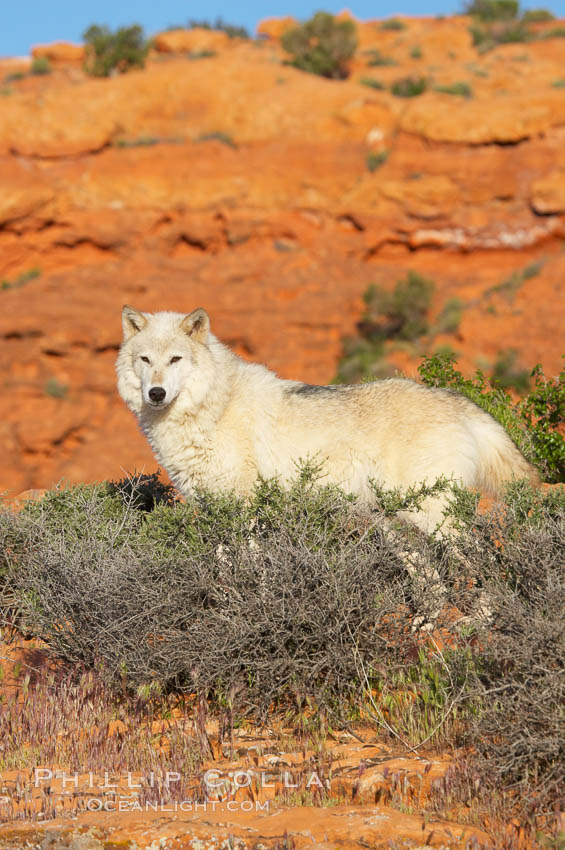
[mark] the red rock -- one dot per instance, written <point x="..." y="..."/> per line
<point x="548" y="194"/>
<point x="24" y="192"/>
<point x="274" y="28"/>
<point x="511" y="118"/>
<point x="274" y="223"/>
<point x="190" y="40"/>
<point x="34" y="495"/>
<point x="426" y="197"/>
<point x="59" y="52"/>
<point x="39" y="125"/>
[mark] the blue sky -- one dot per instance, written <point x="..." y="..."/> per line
<point x="31" y="22"/>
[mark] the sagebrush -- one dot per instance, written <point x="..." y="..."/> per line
<point x="303" y="595"/>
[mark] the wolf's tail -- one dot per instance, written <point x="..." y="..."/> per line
<point x="500" y="461"/>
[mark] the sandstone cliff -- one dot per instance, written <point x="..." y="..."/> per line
<point x="236" y="182"/>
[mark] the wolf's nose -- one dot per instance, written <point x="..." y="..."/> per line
<point x="157" y="394"/>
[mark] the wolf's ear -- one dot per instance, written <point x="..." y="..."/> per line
<point x="196" y="325"/>
<point x="132" y="322"/>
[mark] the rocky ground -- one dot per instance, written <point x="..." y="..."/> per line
<point x="264" y="790"/>
<point x="239" y="183"/>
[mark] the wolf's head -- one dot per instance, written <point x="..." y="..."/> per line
<point x="163" y="355"/>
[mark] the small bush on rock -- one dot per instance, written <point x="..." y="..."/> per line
<point x="393" y="25"/>
<point x="493" y="10"/>
<point x="402" y="313"/>
<point x="398" y="315"/>
<point x="537" y="16"/>
<point x="457" y="89"/>
<point x="323" y="45"/>
<point x="376" y="58"/>
<point x="500" y="22"/>
<point x="40" y="66"/>
<point x="231" y="30"/>
<point x="450" y="317"/>
<point x="110" y="52"/>
<point x="409" y="86"/>
<point x="375" y="159"/>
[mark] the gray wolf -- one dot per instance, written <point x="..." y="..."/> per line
<point x="218" y="422"/>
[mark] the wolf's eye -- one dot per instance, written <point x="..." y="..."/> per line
<point x="145" y="359"/>
<point x="175" y="359"/>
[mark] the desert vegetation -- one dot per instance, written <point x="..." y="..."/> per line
<point x="376" y="58"/>
<point x="400" y="314"/>
<point x="219" y="25"/>
<point x="322" y="45"/>
<point x="459" y="89"/>
<point x="40" y="66"/>
<point x="503" y="22"/>
<point x="409" y="86"/>
<point x="294" y="607"/>
<point x="21" y="279"/>
<point x="110" y="52"/>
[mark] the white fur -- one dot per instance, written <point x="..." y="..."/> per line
<point x="224" y="422"/>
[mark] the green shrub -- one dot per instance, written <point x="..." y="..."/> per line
<point x="232" y="30"/>
<point x="543" y="412"/>
<point x="372" y="83"/>
<point x="534" y="422"/>
<point x="499" y="22"/>
<point x="457" y="89"/>
<point x="110" y="52"/>
<point x="493" y="10"/>
<point x="21" y="280"/>
<point x="508" y="375"/>
<point x="488" y="36"/>
<point x="537" y="16"/>
<point x="393" y="24"/>
<point x="514" y="34"/>
<point x="40" y="66"/>
<point x="450" y="317"/>
<point x="558" y="84"/>
<point x="14" y="77"/>
<point x="416" y="53"/>
<point x="376" y="58"/>
<point x="409" y="86"/>
<point x="217" y="136"/>
<point x="56" y="389"/>
<point x="323" y="45"/>
<point x="140" y="141"/>
<point x="510" y="286"/>
<point x="558" y="32"/>
<point x="205" y="53"/>
<point x="375" y="159"/>
<point x="400" y="315"/>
